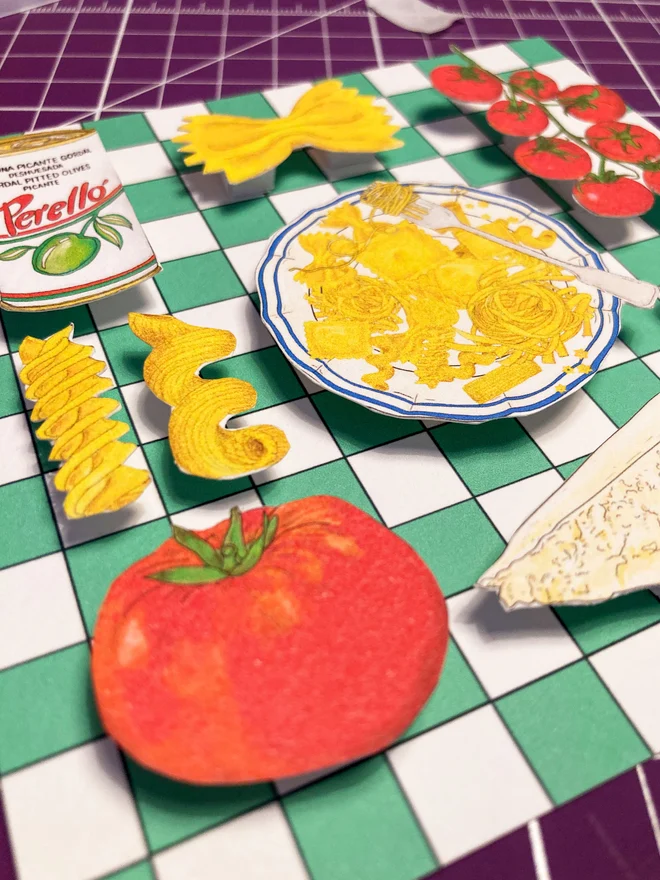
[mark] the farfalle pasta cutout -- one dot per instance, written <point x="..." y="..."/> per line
<point x="328" y="117"/>
<point x="200" y="443"/>
<point x="64" y="380"/>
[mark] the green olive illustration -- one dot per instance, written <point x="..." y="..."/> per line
<point x="64" y="253"/>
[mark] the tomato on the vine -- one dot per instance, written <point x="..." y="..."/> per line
<point x="466" y="83"/>
<point x="612" y="195"/>
<point x="651" y="176"/>
<point x="516" y="118"/>
<point x="592" y="103"/>
<point x="621" y="141"/>
<point x="534" y="84"/>
<point x="553" y="158"/>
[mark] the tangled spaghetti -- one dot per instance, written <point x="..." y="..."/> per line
<point x="411" y="308"/>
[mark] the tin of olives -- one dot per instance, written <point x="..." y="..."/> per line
<point x="68" y="233"/>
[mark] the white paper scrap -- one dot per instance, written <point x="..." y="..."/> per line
<point x="413" y="15"/>
<point x="11" y="7"/>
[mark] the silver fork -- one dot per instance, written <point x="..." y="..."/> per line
<point x="630" y="290"/>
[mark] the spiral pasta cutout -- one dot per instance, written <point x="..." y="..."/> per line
<point x="64" y="380"/>
<point x="201" y="444"/>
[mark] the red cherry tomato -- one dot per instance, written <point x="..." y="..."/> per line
<point x="592" y="103"/>
<point x="651" y="177"/>
<point x="227" y="657"/>
<point x="553" y="159"/>
<point x="520" y="119"/>
<point x="616" y="197"/>
<point x="536" y="85"/>
<point x="621" y="141"/>
<point x="466" y="83"/>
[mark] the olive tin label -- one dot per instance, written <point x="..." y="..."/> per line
<point x="68" y="233"/>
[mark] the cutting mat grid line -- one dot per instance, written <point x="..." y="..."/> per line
<point x="164" y="58"/>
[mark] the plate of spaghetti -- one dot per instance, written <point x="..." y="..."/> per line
<point x="436" y="324"/>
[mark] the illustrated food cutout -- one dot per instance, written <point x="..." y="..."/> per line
<point x="72" y="237"/>
<point x="598" y="536"/>
<point x="395" y="199"/>
<point x="442" y="311"/>
<point x="200" y="443"/>
<point x="279" y="642"/>
<point x="535" y="107"/>
<point x="63" y="378"/>
<point x="328" y="117"/>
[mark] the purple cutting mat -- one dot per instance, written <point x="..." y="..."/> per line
<point x="80" y="59"/>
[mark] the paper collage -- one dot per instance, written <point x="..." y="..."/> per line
<point x="200" y="443"/>
<point x="616" y="165"/>
<point x="262" y="647"/>
<point x="64" y="380"/>
<point x="78" y="241"/>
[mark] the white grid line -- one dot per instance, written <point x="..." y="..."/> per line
<point x="274" y="72"/>
<point x="10" y="45"/>
<point x="113" y="60"/>
<point x="325" y="35"/>
<point x="583" y="61"/>
<point x="633" y="60"/>
<point x="58" y="58"/>
<point x="168" y="59"/>
<point x="223" y="46"/>
<point x="539" y="855"/>
<point x="375" y="38"/>
<point x="649" y="803"/>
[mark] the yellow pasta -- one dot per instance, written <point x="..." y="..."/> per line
<point x="63" y="378"/>
<point x="328" y="117"/>
<point x="393" y="294"/>
<point x="200" y="443"/>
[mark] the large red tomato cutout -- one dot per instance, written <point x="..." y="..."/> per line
<point x="278" y="642"/>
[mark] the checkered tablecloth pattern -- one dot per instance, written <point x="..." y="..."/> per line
<point x="533" y="708"/>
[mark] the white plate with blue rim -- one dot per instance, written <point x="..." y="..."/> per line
<point x="286" y="309"/>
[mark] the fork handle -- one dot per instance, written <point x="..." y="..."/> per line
<point x="630" y="290"/>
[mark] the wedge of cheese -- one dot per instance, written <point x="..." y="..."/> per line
<point x="598" y="536"/>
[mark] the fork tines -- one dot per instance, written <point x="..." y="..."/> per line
<point x="415" y="210"/>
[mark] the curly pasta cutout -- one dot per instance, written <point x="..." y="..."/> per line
<point x="63" y="378"/>
<point x="201" y="444"/>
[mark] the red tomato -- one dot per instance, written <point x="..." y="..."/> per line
<point x="520" y="119"/>
<point x="536" y="85"/>
<point x="321" y="650"/>
<point x="466" y="83"/>
<point x="621" y="141"/>
<point x="651" y="176"/>
<point x="613" y="197"/>
<point x="592" y="103"/>
<point x="553" y="158"/>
